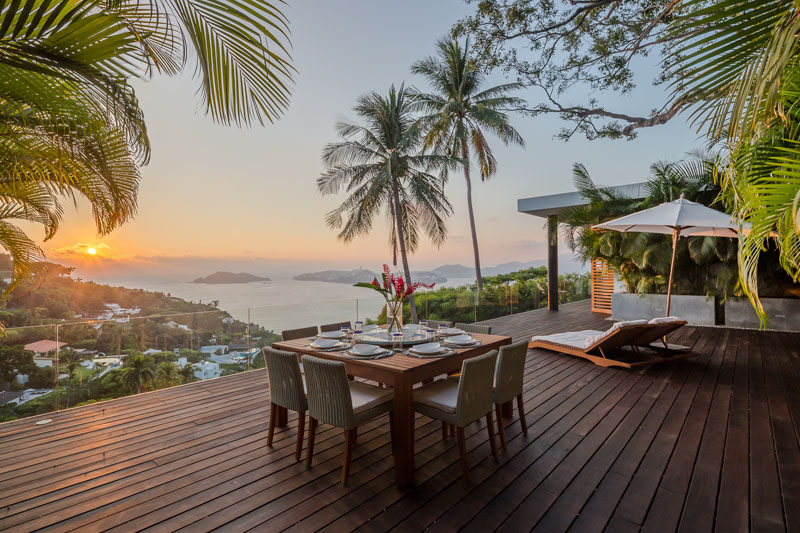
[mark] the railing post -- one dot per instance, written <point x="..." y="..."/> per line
<point x="248" y="339"/>
<point x="58" y="407"/>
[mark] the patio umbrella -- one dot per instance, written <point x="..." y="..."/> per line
<point x="680" y="217"/>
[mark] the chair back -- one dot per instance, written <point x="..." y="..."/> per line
<point x="285" y="380"/>
<point x="509" y="371"/>
<point x="299" y="333"/>
<point x="329" y="399"/>
<point x="475" y="397"/>
<point x="474" y="328"/>
<point x="436" y="323"/>
<point x="334" y="327"/>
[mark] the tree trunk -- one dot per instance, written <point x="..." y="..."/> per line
<point x="476" y="253"/>
<point x="402" y="243"/>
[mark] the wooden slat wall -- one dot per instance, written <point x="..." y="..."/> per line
<point x="602" y="286"/>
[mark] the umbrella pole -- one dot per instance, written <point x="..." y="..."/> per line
<point x="672" y="266"/>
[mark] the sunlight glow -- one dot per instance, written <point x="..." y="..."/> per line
<point x="91" y="251"/>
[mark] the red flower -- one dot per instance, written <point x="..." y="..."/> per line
<point x="375" y="282"/>
<point x="414" y="286"/>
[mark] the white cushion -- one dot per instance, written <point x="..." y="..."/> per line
<point x="664" y="320"/>
<point x="441" y="395"/>
<point x="577" y="339"/>
<point x="367" y="396"/>
<point x="621" y="323"/>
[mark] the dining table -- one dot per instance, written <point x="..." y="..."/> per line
<point x="401" y="371"/>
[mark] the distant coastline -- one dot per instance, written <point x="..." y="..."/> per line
<point x="359" y="275"/>
<point x="227" y="278"/>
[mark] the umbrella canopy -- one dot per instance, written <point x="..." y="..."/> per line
<point x="690" y="218"/>
<point x="680" y="217"/>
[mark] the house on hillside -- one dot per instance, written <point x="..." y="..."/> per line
<point x="44" y="348"/>
<point x="206" y="370"/>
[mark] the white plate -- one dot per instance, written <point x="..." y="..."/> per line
<point x="326" y="343"/>
<point x="366" y="349"/>
<point x="370" y="327"/>
<point x="331" y="335"/>
<point x="427" y="348"/>
<point x="453" y="331"/>
<point x="462" y="340"/>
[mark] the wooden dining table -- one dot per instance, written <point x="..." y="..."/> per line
<point x="401" y="372"/>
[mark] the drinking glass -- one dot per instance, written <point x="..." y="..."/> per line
<point x="442" y="329"/>
<point x="397" y="341"/>
<point x="423" y="328"/>
<point x="358" y="330"/>
<point x="346" y="332"/>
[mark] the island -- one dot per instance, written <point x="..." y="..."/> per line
<point x="220" y="278"/>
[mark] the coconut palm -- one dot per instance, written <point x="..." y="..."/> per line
<point x="741" y="66"/>
<point x="137" y="372"/>
<point x="70" y="124"/>
<point x="166" y="374"/>
<point x="460" y="111"/>
<point x="186" y="373"/>
<point x="381" y="164"/>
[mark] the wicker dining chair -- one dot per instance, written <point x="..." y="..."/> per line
<point x="474" y="328"/>
<point x="335" y="327"/>
<point x="286" y="389"/>
<point x="299" y="333"/>
<point x="436" y="323"/>
<point x="334" y="400"/>
<point x="462" y="402"/>
<point x="508" y="378"/>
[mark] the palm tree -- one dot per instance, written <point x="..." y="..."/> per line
<point x="460" y="110"/>
<point x="382" y="165"/>
<point x="138" y="372"/>
<point x="186" y="373"/>
<point x="70" y="123"/>
<point x="166" y="374"/>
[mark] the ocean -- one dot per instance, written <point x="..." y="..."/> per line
<point x="282" y="303"/>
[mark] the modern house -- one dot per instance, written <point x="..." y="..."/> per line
<point x="550" y="207"/>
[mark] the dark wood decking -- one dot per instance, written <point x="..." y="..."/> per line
<point x="705" y="444"/>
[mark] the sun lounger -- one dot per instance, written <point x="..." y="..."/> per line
<point x="626" y="344"/>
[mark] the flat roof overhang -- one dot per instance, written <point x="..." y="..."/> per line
<point x="555" y="204"/>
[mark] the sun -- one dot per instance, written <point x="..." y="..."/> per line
<point x="91" y="251"/>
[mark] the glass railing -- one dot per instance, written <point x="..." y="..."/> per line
<point x="78" y="362"/>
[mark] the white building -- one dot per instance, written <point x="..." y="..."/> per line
<point x="206" y="370"/>
<point x="214" y="350"/>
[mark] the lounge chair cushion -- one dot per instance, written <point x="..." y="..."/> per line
<point x="622" y="323"/>
<point x="578" y="339"/>
<point x="441" y="395"/>
<point x="664" y="320"/>
<point x="367" y="396"/>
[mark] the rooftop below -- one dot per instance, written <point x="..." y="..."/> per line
<point x="555" y="204"/>
<point x="702" y="444"/>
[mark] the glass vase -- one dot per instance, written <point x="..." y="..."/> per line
<point x="394" y="316"/>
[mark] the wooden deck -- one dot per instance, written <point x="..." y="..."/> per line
<point x="705" y="444"/>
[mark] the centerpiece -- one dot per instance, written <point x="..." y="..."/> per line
<point x="395" y="291"/>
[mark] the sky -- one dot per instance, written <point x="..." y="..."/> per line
<point x="216" y="197"/>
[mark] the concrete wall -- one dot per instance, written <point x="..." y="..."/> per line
<point x="783" y="313"/>
<point x="696" y="310"/>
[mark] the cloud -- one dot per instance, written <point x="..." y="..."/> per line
<point x="79" y="249"/>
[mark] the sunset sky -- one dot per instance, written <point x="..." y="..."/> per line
<point x="250" y="195"/>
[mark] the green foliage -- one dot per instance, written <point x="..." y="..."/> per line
<point x="15" y="360"/>
<point x="501" y="295"/>
<point x="705" y="265"/>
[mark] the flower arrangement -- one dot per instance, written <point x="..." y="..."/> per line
<point x="395" y="292"/>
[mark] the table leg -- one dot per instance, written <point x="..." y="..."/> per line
<point x="403" y="420"/>
<point x="281" y="416"/>
<point x="508" y="409"/>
